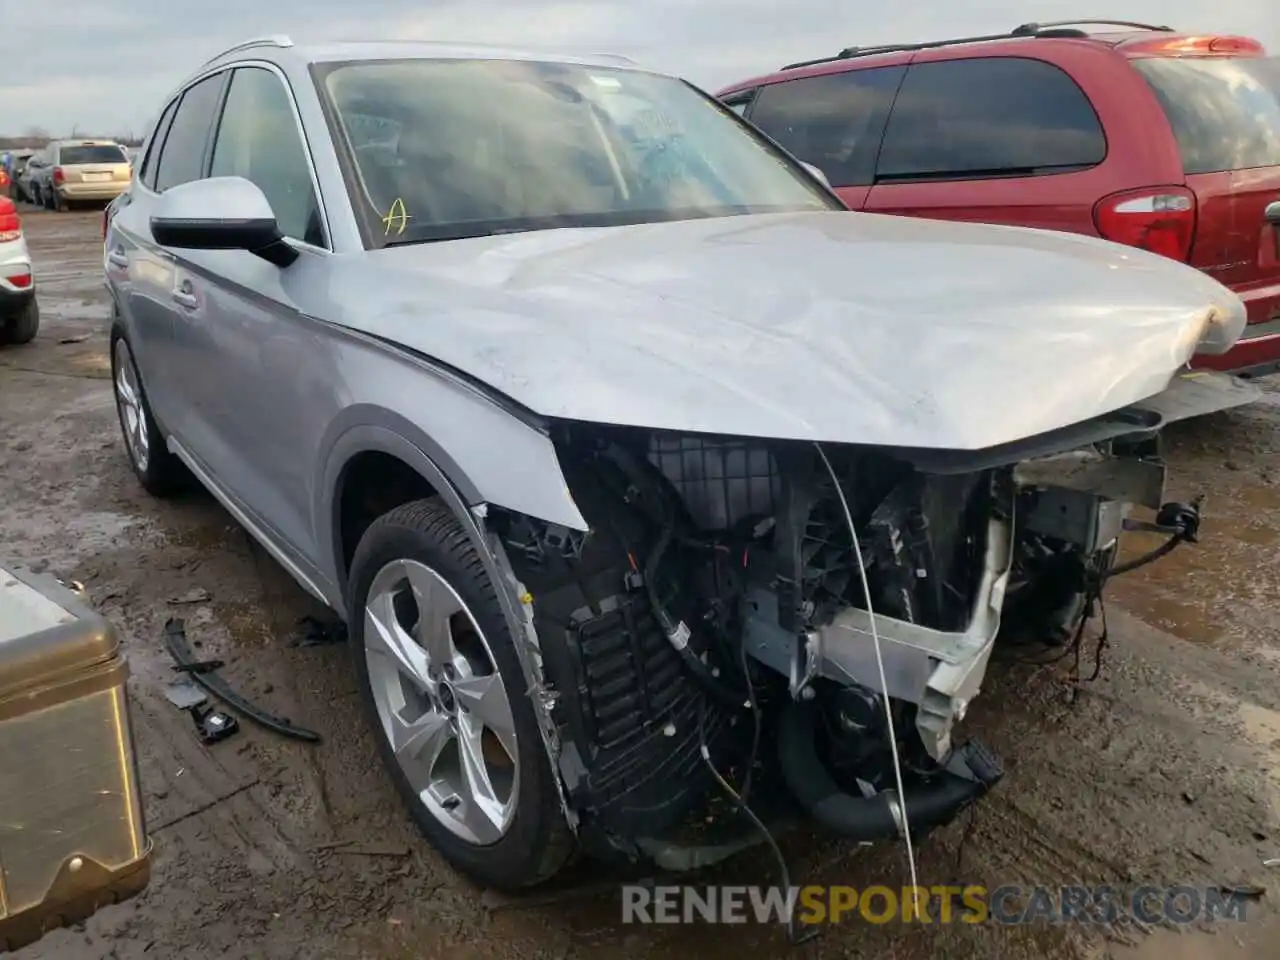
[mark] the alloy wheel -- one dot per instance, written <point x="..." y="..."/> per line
<point x="129" y="403"/>
<point x="441" y="701"/>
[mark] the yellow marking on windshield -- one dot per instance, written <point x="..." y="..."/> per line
<point x="397" y="218"/>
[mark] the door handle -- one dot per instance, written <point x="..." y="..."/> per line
<point x="185" y="296"/>
<point x="1272" y="213"/>
<point x="118" y="258"/>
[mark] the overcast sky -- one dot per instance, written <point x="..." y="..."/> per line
<point x="108" y="64"/>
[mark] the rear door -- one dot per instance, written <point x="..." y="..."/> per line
<point x="833" y="121"/>
<point x="1225" y="115"/>
<point x="995" y="139"/>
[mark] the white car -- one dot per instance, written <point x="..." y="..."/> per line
<point x="19" y="314"/>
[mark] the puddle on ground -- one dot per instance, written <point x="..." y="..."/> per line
<point x="1219" y="589"/>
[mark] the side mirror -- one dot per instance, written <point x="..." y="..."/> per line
<point x="220" y="213"/>
<point x="817" y="174"/>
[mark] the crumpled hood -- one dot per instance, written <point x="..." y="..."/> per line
<point x="837" y="327"/>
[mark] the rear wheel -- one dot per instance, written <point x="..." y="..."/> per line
<point x="440" y="677"/>
<point x="159" y="471"/>
<point x="22" y="326"/>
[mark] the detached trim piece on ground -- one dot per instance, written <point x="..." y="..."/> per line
<point x="205" y="675"/>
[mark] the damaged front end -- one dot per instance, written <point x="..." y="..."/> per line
<point x="780" y="622"/>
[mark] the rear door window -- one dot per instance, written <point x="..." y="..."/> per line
<point x="989" y="117"/>
<point x="182" y="157"/>
<point x="1225" y="111"/>
<point x="833" y="121"/>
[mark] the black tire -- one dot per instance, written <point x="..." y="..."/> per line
<point x="538" y="842"/>
<point x="22" y="326"/>
<point x="58" y="204"/>
<point x="163" y="474"/>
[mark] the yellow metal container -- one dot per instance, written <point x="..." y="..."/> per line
<point x="72" y="836"/>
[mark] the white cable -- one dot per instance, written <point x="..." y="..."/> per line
<point x="884" y="683"/>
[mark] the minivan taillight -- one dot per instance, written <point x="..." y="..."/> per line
<point x="1159" y="219"/>
<point x="58" y="175"/>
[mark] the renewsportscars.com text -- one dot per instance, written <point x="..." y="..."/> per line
<point x="1008" y="904"/>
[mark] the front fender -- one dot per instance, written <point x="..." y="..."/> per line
<point x="502" y="462"/>
<point x="391" y="435"/>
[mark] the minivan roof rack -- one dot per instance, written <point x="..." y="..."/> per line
<point x="1035" y="29"/>
<point x="1053" y="29"/>
<point x="275" y="40"/>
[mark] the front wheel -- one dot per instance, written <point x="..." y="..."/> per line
<point x="441" y="680"/>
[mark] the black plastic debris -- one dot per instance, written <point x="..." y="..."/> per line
<point x="214" y="725"/>
<point x="205" y="674"/>
<point x="184" y="695"/>
<point x="319" y="633"/>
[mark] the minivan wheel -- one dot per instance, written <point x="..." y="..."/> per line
<point x="158" y="470"/>
<point x="438" y="671"/>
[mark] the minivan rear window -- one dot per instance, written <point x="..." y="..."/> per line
<point x="97" y="153"/>
<point x="1225" y="111"/>
<point x="989" y="117"/>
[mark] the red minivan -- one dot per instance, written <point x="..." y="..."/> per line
<point x="1141" y="134"/>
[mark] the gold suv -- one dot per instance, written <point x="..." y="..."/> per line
<point x="81" y="171"/>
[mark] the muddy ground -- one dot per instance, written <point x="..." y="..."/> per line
<point x="1163" y="771"/>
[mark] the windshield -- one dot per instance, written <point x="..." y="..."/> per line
<point x="1225" y="111"/>
<point x="96" y="153"/>
<point x="445" y="149"/>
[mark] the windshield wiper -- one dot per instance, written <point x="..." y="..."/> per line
<point x="444" y="235"/>
<point x="611" y="218"/>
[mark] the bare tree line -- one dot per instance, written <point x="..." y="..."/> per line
<point x="35" y="138"/>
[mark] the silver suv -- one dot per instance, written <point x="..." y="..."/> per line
<point x="641" y="471"/>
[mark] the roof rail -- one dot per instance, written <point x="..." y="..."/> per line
<point x="276" y="40"/>
<point x="1056" y="29"/>
<point x="1034" y="29"/>
<point x="848" y="53"/>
